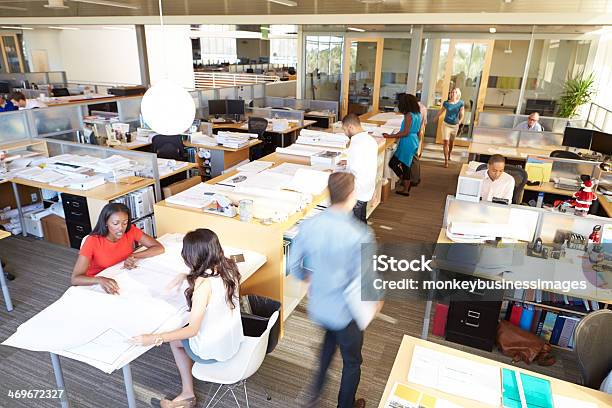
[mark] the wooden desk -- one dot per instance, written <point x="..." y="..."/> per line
<point x="222" y="158"/>
<point x="96" y="197"/>
<point x="401" y="367"/>
<point x="366" y="118"/>
<point x="186" y="167"/>
<point x="3" y="284"/>
<point x="270" y="280"/>
<point x="132" y="145"/>
<point x="605" y="204"/>
<point x="74" y="99"/>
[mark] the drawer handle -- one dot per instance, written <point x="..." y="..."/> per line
<point x="471" y="314"/>
<point x="79" y="228"/>
<point x="78" y="214"/>
<point x="75" y="204"/>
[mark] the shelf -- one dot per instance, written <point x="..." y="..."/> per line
<point x="545" y="306"/>
<point x="562" y="348"/>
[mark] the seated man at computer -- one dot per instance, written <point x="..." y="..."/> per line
<point x="532" y="123"/>
<point x="22" y="102"/>
<point x="496" y="184"/>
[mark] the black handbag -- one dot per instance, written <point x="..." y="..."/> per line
<point x="415" y="172"/>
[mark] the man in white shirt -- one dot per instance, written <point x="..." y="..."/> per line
<point x="362" y="161"/>
<point x="496" y="182"/>
<point x="22" y="102"/>
<point x="532" y="123"/>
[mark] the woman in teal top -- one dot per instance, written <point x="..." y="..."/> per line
<point x="454" y="113"/>
<point x="408" y="143"/>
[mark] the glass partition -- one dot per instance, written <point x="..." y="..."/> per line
<point x="57" y="119"/>
<point x="506" y="74"/>
<point x="129" y="109"/>
<point x="13" y="127"/>
<point x="57" y="77"/>
<point x="227" y="93"/>
<point x="552" y="63"/>
<point x="259" y="91"/>
<point x="292" y="115"/>
<point x="501" y="137"/>
<point x="323" y="67"/>
<point x="244" y="92"/>
<point x="539" y="140"/>
<point x="395" y="62"/>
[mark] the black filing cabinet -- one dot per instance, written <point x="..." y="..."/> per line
<point x="77" y="218"/>
<point x="473" y="318"/>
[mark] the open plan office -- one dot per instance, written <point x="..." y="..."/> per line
<point x="277" y="203"/>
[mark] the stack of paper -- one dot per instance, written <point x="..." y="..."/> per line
<point x="455" y="375"/>
<point x="301" y="150"/>
<point x="318" y="138"/>
<point x="233" y="140"/>
<point x="309" y="181"/>
<point x="395" y="122"/>
<point x="385" y="116"/>
<point x="115" y="162"/>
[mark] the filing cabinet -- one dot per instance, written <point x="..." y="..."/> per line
<point x="473" y="318"/>
<point x="77" y="218"/>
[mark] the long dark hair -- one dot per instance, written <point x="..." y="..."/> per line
<point x="204" y="256"/>
<point x="109" y="209"/>
<point x="408" y="103"/>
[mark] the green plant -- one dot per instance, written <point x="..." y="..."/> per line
<point x="576" y="92"/>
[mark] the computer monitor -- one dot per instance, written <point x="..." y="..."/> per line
<point x="217" y="107"/>
<point x="5" y="87"/>
<point x="235" y="107"/>
<point x="602" y="143"/>
<point x="60" y="92"/>
<point x="579" y="138"/>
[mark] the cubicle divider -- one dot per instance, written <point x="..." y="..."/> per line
<point x="292" y="115"/>
<point x="14" y="128"/>
<point x="508" y="137"/>
<point x="568" y="168"/>
<point x="506" y="121"/>
<point x="535" y="222"/>
<point x="298" y="104"/>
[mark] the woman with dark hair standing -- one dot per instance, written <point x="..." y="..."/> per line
<point x="408" y="140"/>
<point x="112" y="241"/>
<point x="214" y="332"/>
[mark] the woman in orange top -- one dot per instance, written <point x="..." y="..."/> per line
<point x="111" y="241"/>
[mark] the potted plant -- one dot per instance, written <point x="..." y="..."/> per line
<point x="576" y="92"/>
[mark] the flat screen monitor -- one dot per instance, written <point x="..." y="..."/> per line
<point x="217" y="107"/>
<point x="602" y="143"/>
<point x="577" y="137"/>
<point x="235" y="107"/>
<point x="5" y="88"/>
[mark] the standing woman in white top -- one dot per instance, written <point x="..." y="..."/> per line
<point x="214" y="332"/>
<point x="453" y="118"/>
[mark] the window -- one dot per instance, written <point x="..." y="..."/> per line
<point x="216" y="48"/>
<point x="323" y="67"/>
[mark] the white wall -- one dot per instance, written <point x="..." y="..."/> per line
<point x="89" y="54"/>
<point x="282" y="89"/>
<point x="170" y="55"/>
<point x="100" y="55"/>
<point x="47" y="40"/>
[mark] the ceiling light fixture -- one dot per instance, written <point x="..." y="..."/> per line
<point x="509" y="49"/>
<point x="288" y="3"/>
<point x="109" y="3"/>
<point x="492" y="30"/>
<point x="359" y="30"/>
<point x="163" y="117"/>
<point x="371" y="1"/>
<point x="507" y="1"/>
<point x="63" y="28"/>
<point x="16" y="28"/>
<point x="56" y="4"/>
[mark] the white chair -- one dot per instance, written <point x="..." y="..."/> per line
<point x="235" y="371"/>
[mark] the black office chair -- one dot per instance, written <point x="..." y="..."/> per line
<point x="564" y="154"/>
<point x="258" y="126"/>
<point x="592" y="346"/>
<point x="60" y="92"/>
<point x="168" y="147"/>
<point x="255" y="319"/>
<point x="520" y="179"/>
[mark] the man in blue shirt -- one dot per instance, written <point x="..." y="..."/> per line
<point x="6" y="106"/>
<point x="330" y="244"/>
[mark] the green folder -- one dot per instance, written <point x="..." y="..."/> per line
<point x="537" y="391"/>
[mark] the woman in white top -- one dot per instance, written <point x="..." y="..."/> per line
<point x="214" y="332"/>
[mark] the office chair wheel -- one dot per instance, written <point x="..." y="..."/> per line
<point x="9" y="276"/>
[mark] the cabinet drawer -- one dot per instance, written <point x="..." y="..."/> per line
<point x="75" y="209"/>
<point x="76" y="233"/>
<point x="473" y="320"/>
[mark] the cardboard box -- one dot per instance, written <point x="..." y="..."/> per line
<point x="54" y="228"/>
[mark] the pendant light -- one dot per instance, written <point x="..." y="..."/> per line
<point x="167" y="108"/>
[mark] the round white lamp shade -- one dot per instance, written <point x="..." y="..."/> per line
<point x="167" y="108"/>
